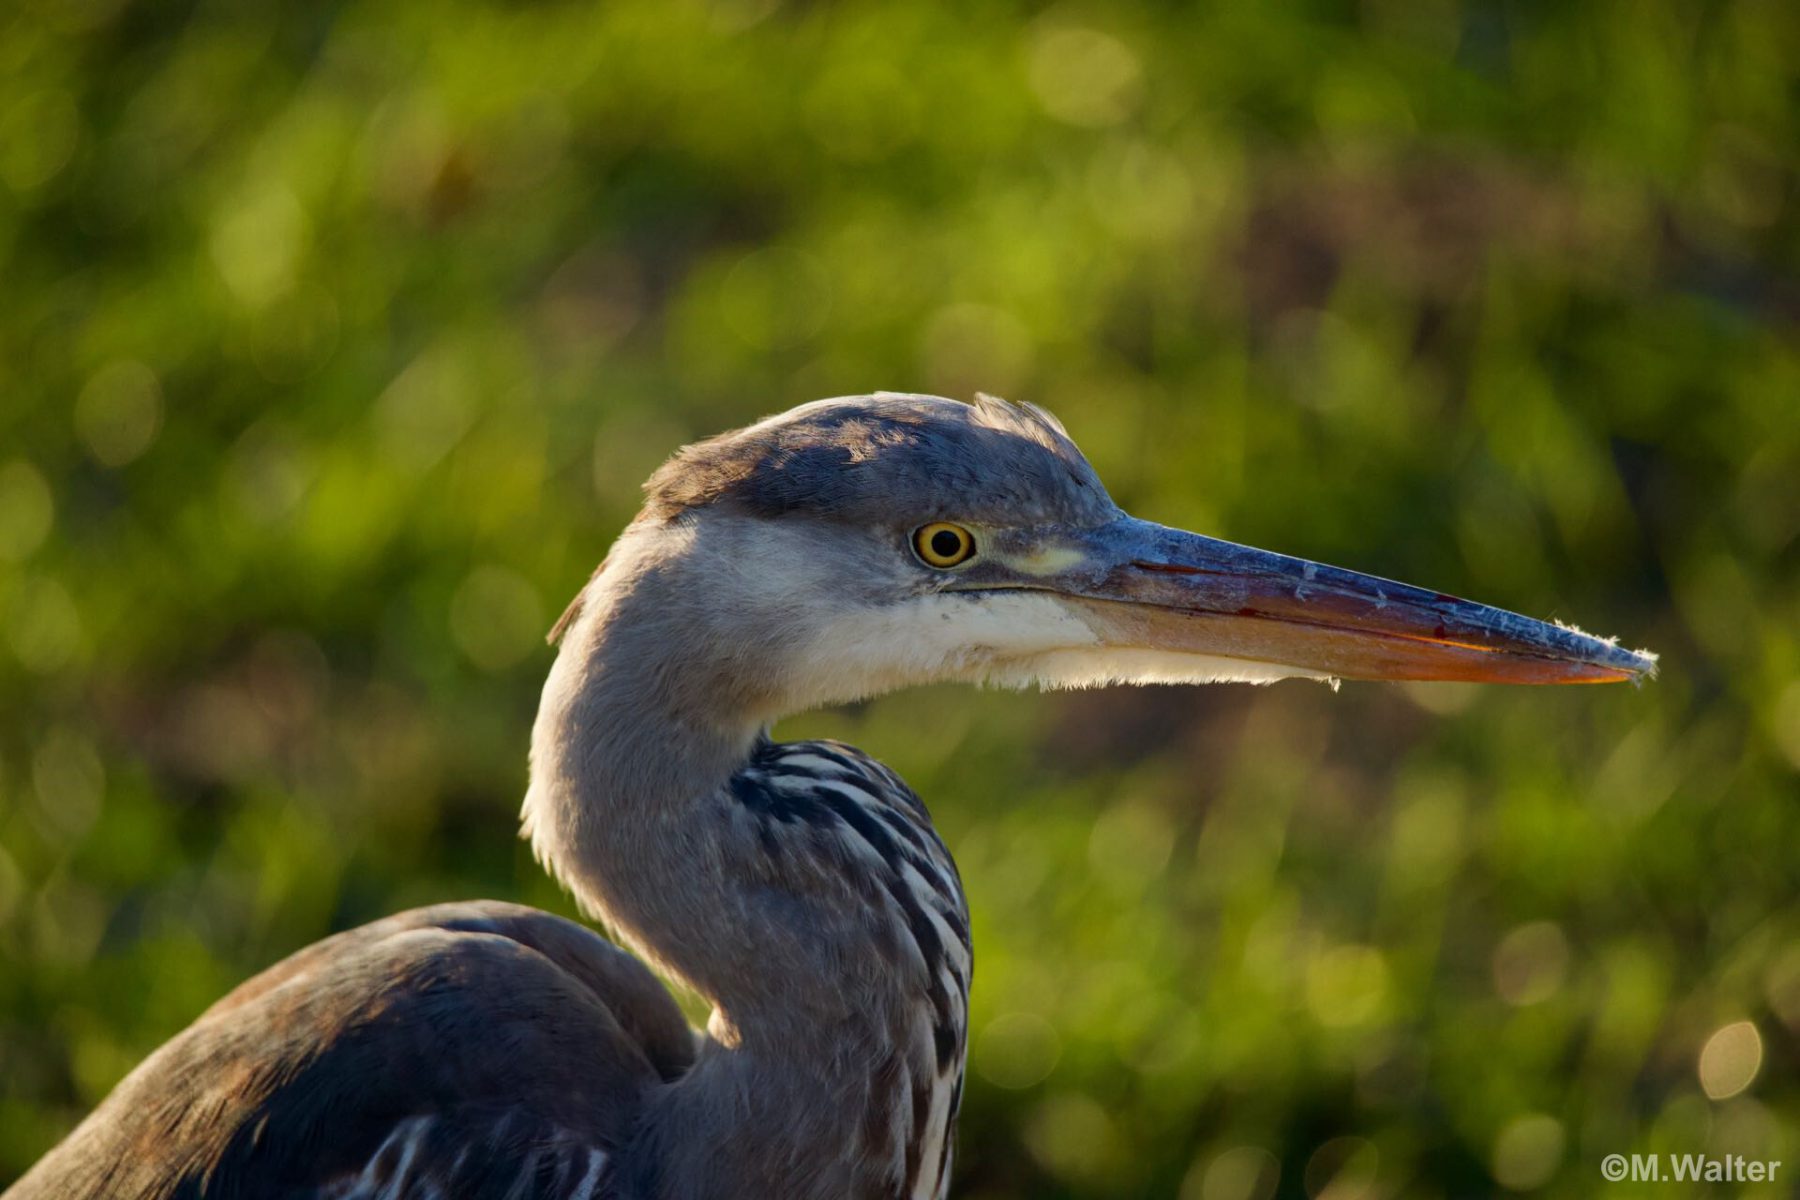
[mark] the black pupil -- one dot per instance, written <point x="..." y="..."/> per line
<point x="946" y="544"/>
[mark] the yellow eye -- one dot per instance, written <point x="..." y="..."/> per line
<point x="941" y="544"/>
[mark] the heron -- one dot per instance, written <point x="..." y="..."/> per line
<point x="839" y="550"/>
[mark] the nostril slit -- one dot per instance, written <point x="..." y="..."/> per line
<point x="1168" y="568"/>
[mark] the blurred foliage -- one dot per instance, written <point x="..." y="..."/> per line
<point x="336" y="338"/>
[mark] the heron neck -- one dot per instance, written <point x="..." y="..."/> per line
<point x="631" y="740"/>
<point x="638" y="742"/>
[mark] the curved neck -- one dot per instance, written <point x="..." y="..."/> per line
<point x="833" y="1032"/>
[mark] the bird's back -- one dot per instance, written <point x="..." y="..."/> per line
<point x="467" y="1050"/>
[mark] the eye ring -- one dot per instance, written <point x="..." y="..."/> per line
<point x="943" y="545"/>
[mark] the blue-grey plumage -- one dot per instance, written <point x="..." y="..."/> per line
<point x="843" y="549"/>
<point x="405" y="1035"/>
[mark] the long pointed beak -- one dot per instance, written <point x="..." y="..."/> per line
<point x="1150" y="587"/>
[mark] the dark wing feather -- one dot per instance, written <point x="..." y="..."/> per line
<point x="466" y="1050"/>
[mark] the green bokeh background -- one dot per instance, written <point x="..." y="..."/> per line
<point x="336" y="339"/>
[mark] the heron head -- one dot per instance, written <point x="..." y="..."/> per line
<point x="857" y="545"/>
